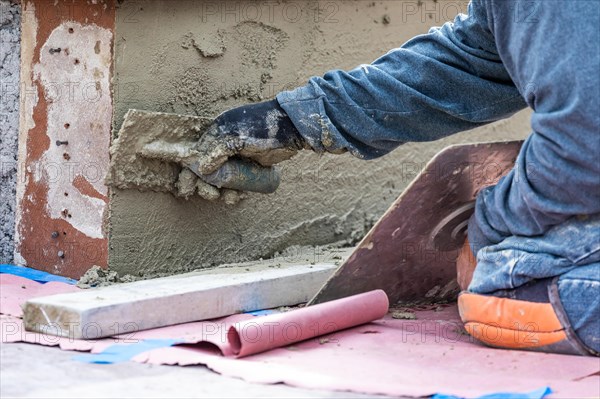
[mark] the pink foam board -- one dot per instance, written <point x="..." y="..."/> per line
<point x="16" y="290"/>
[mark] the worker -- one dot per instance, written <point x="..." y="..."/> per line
<point x="530" y="268"/>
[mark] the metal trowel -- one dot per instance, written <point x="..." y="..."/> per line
<point x="151" y="147"/>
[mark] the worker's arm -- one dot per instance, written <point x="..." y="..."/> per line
<point x="446" y="81"/>
<point x="453" y="79"/>
<point x="449" y="80"/>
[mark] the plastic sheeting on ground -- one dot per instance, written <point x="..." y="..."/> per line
<point x="394" y="357"/>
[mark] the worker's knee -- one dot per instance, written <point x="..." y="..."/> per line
<point x="518" y="260"/>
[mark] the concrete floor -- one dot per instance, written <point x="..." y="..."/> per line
<point x="33" y="371"/>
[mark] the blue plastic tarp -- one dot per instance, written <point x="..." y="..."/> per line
<point x="36" y="275"/>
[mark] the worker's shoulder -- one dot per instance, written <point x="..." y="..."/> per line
<point x="538" y="12"/>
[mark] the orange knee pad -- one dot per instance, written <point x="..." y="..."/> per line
<point x="517" y="324"/>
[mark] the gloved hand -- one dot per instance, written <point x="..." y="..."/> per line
<point x="261" y="132"/>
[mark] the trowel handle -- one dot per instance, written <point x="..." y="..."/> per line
<point x="242" y="175"/>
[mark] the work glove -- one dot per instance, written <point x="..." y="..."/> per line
<point x="260" y="132"/>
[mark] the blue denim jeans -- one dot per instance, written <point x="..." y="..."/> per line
<point x="569" y="251"/>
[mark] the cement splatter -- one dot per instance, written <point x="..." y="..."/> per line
<point x="209" y="46"/>
<point x="99" y="277"/>
<point x="404" y="315"/>
<point x="254" y="45"/>
<point x="260" y="44"/>
<point x="186" y="184"/>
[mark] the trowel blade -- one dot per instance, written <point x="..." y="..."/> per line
<point x="145" y="153"/>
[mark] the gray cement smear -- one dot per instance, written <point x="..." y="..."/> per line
<point x="98" y="277"/>
<point x="201" y="58"/>
<point x="130" y="169"/>
<point x="10" y="48"/>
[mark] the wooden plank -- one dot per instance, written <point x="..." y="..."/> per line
<point x="65" y="130"/>
<point x="142" y="305"/>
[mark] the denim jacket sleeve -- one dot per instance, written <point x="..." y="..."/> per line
<point x="448" y="80"/>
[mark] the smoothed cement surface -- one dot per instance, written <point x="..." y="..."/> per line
<point x="10" y="48"/>
<point x="201" y="58"/>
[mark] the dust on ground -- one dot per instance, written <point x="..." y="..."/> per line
<point x="407" y="315"/>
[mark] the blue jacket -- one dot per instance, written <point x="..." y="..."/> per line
<point x="500" y="58"/>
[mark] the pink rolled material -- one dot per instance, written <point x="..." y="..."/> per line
<point x="269" y="332"/>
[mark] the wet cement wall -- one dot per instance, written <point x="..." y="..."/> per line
<point x="203" y="57"/>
